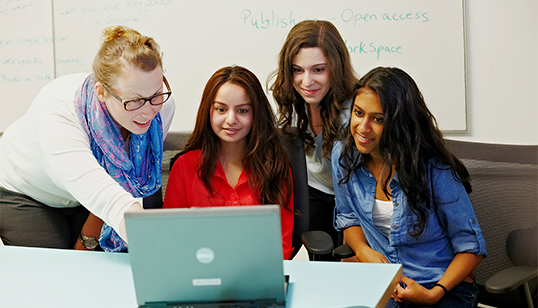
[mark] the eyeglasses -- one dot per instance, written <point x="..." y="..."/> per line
<point x="137" y="103"/>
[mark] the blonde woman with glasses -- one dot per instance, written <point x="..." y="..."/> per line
<point x="88" y="148"/>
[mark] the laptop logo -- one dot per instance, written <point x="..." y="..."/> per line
<point x="205" y="255"/>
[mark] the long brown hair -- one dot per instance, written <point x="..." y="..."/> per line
<point x="322" y="34"/>
<point x="266" y="162"/>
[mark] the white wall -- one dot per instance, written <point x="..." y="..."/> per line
<point x="502" y="71"/>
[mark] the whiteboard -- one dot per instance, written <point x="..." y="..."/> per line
<point x="26" y="55"/>
<point x="423" y="37"/>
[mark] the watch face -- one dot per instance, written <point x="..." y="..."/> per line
<point x="89" y="242"/>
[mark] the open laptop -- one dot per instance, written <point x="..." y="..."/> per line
<point x="207" y="257"/>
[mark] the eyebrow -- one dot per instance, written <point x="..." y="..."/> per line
<point x="315" y="65"/>
<point x="140" y="96"/>
<point x="375" y="113"/>
<point x="246" y="104"/>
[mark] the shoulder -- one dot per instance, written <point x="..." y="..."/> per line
<point x="187" y="161"/>
<point x="439" y="168"/>
<point x="337" y="150"/>
<point x="70" y="82"/>
<point x="57" y="98"/>
<point x="445" y="184"/>
<point x="62" y="89"/>
<point x="53" y="109"/>
<point x="190" y="156"/>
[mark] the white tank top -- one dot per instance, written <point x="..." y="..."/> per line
<point x="381" y="215"/>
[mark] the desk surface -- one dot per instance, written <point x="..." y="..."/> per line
<point x="32" y="277"/>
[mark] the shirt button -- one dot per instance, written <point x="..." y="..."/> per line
<point x="394" y="227"/>
<point x="65" y="202"/>
<point x="235" y="202"/>
<point x="473" y="221"/>
<point x="396" y="203"/>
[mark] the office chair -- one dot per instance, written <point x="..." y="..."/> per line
<point x="173" y="143"/>
<point x="294" y="147"/>
<point x="317" y="243"/>
<point x="504" y="179"/>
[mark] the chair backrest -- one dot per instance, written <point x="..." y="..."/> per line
<point x="174" y="142"/>
<point x="294" y="146"/>
<point x="504" y="179"/>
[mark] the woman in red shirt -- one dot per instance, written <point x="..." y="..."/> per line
<point x="234" y="156"/>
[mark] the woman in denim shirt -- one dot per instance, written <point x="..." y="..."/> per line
<point x="401" y="196"/>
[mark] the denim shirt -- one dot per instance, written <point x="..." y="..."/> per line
<point x="451" y="225"/>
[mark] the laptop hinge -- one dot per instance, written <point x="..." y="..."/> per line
<point x="259" y="303"/>
<point x="156" y="305"/>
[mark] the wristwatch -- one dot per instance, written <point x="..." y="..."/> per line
<point x="89" y="242"/>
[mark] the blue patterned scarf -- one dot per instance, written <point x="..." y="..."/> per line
<point x="139" y="171"/>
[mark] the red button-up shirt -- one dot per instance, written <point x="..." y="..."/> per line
<point x="185" y="189"/>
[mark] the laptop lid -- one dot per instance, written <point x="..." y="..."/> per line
<point x="206" y="255"/>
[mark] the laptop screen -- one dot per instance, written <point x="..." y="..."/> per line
<point x="201" y="255"/>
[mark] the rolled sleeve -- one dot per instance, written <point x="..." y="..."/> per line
<point x="471" y="241"/>
<point x="344" y="215"/>
<point x="457" y="214"/>
<point x="344" y="221"/>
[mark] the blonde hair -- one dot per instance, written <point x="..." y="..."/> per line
<point x="120" y="46"/>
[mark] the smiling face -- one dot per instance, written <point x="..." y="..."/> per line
<point x="133" y="83"/>
<point x="311" y="74"/>
<point x="231" y="115"/>
<point x="367" y="122"/>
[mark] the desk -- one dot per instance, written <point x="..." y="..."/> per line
<point x="31" y="277"/>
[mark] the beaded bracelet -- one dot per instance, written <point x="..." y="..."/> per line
<point x="442" y="286"/>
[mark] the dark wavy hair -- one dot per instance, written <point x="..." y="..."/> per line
<point x="266" y="162"/>
<point x="410" y="139"/>
<point x="322" y="34"/>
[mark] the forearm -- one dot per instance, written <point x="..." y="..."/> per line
<point x="355" y="238"/>
<point x="460" y="268"/>
<point x="91" y="228"/>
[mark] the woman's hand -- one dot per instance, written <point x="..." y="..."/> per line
<point x="413" y="292"/>
<point x="367" y="254"/>
<point x="355" y="238"/>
